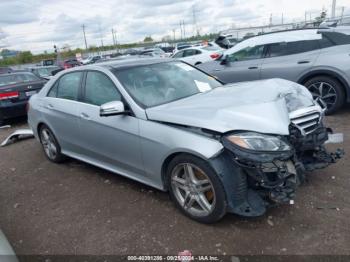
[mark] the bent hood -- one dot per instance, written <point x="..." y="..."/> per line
<point x="260" y="106"/>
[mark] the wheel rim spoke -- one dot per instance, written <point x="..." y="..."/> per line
<point x="188" y="201"/>
<point x="48" y="144"/>
<point x="325" y="91"/>
<point x="193" y="189"/>
<point x="190" y="174"/>
<point x="203" y="202"/>
<point x="204" y="188"/>
<point x="320" y="88"/>
<point x="180" y="183"/>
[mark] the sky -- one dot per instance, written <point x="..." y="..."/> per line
<point x="37" y="25"/>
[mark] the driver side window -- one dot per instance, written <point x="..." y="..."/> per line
<point x="247" y="53"/>
<point x="99" y="89"/>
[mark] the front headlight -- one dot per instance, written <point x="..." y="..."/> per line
<point x="258" y="142"/>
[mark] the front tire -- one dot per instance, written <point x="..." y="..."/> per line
<point x="196" y="189"/>
<point x="50" y="145"/>
<point x="329" y="90"/>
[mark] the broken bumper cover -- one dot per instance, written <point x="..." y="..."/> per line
<point x="255" y="180"/>
<point x="17" y="135"/>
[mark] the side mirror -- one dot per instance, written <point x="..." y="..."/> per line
<point x="112" y="108"/>
<point x="225" y="60"/>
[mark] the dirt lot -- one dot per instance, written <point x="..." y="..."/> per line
<point x="74" y="208"/>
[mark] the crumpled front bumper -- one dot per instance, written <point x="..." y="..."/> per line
<point x="254" y="181"/>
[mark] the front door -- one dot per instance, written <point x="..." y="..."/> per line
<point x="112" y="141"/>
<point x="243" y="65"/>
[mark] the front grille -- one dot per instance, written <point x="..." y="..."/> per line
<point x="307" y="123"/>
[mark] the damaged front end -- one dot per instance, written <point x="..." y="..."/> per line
<point x="267" y="169"/>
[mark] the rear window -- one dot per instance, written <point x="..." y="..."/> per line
<point x="291" y="48"/>
<point x="17" y="78"/>
<point x="211" y="48"/>
<point x="337" y="38"/>
<point x="8" y="80"/>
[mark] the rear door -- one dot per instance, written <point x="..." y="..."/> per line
<point x="60" y="110"/>
<point x="243" y="65"/>
<point x="289" y="60"/>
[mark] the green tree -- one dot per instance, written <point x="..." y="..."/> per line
<point x="25" y="57"/>
<point x="148" y="39"/>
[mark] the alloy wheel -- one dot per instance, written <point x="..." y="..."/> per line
<point x="324" y="91"/>
<point x="193" y="189"/>
<point x="48" y="143"/>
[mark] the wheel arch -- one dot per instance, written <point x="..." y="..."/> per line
<point x="39" y="125"/>
<point x="324" y="72"/>
<point x="169" y="158"/>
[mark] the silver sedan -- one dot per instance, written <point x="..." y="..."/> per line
<point x="162" y="122"/>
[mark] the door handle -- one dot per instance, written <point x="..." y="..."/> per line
<point x="85" y="116"/>
<point x="303" y="62"/>
<point x="253" y="67"/>
<point x="217" y="69"/>
<point x="49" y="106"/>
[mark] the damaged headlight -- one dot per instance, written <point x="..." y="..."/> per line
<point x="258" y="142"/>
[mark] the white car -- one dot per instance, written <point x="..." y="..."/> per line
<point x="198" y="55"/>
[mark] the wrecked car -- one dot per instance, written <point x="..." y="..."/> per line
<point x="216" y="148"/>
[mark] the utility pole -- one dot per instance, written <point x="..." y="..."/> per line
<point x="99" y="28"/>
<point x="305" y="16"/>
<point x="181" y="30"/>
<point x="113" y="36"/>
<point x="195" y="29"/>
<point x="83" y="26"/>
<point x="282" y="19"/>
<point x="183" y="23"/>
<point x="334" y="4"/>
<point x="174" y="34"/>
<point x="342" y="14"/>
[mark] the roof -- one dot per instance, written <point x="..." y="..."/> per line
<point x="132" y="62"/>
<point x="287" y="36"/>
<point x="38" y="67"/>
<point x="17" y="73"/>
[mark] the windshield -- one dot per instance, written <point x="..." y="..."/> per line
<point x="17" y="78"/>
<point x="156" y="84"/>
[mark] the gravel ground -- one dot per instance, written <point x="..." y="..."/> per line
<point x="75" y="208"/>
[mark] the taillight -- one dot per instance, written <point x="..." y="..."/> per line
<point x="215" y="55"/>
<point x="9" y="95"/>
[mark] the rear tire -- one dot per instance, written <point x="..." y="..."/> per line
<point x="330" y="90"/>
<point x="196" y="189"/>
<point x="50" y="145"/>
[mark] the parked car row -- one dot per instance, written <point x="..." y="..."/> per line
<point x="315" y="58"/>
